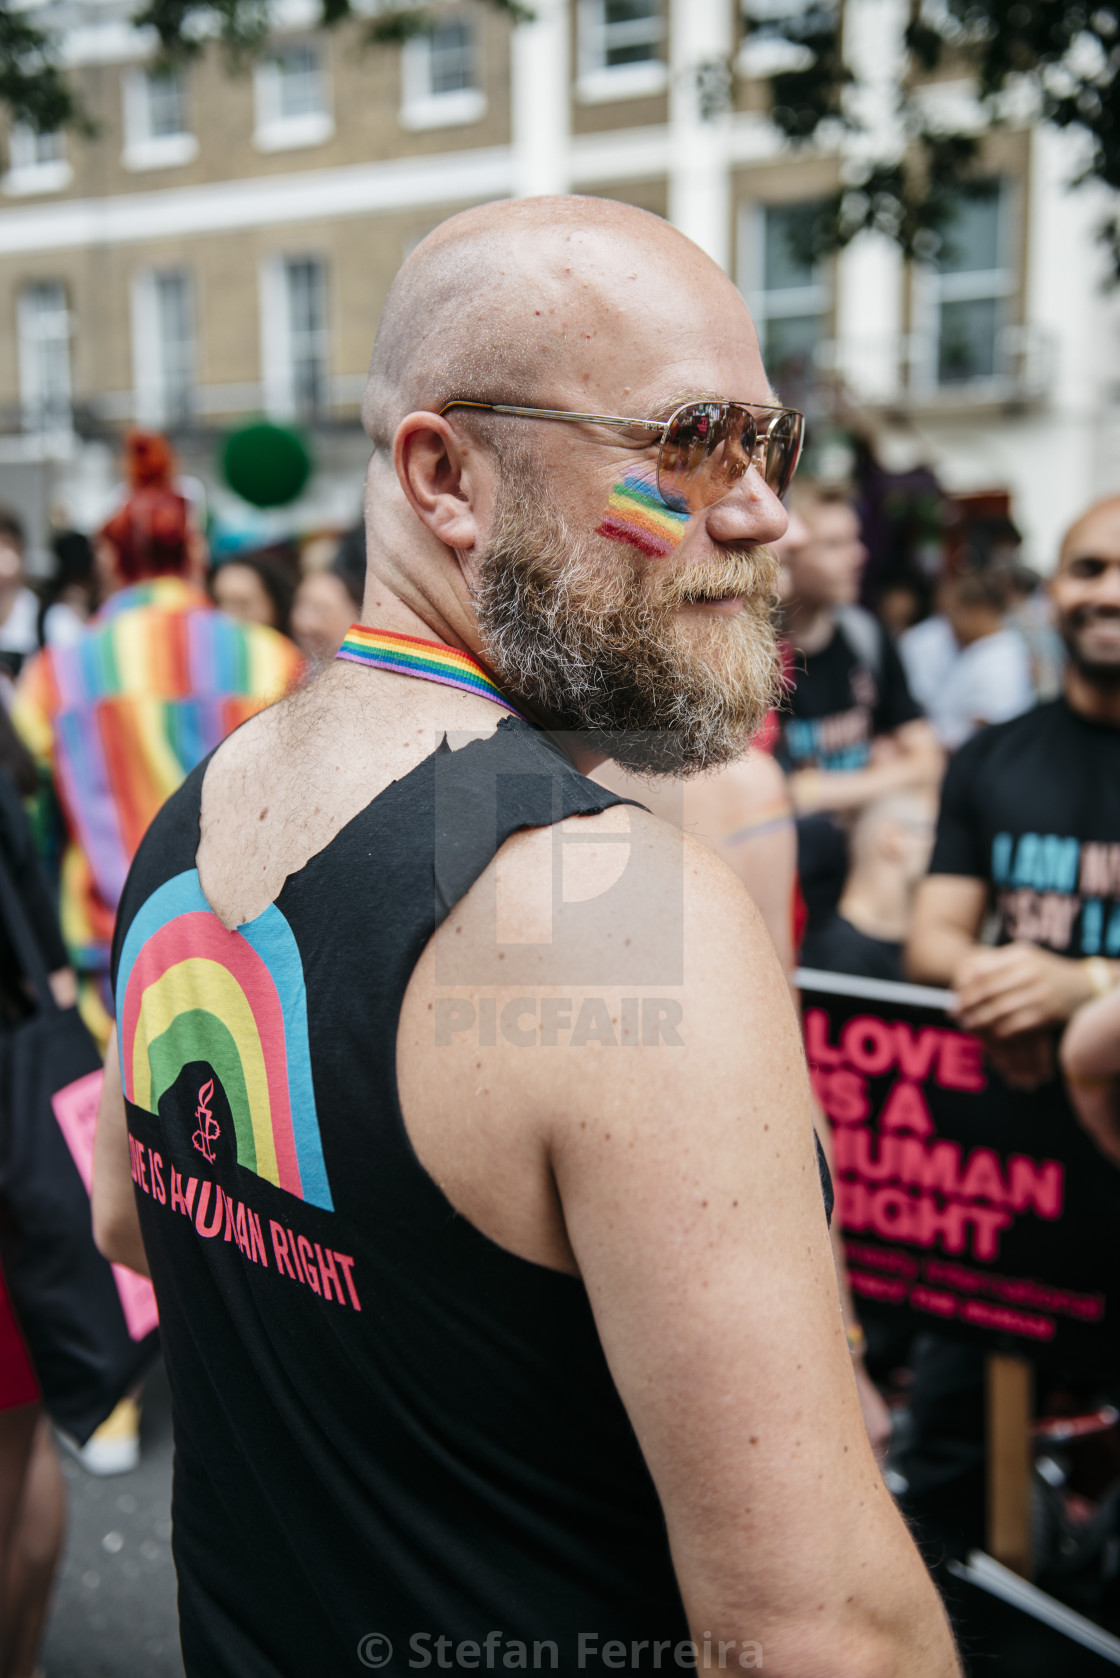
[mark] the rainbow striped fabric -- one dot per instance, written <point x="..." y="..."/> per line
<point x="636" y="514"/>
<point x="409" y="655"/>
<point x="122" y="716"/>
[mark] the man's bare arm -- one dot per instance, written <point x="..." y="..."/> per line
<point x="691" y="1199"/>
<point x="1090" y="1057"/>
<point x="755" y="835"/>
<point x="948" y="915"/>
<point x="116" y="1225"/>
<point x="916" y="760"/>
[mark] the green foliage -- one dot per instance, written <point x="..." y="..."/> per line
<point x="392" y="25"/>
<point x="1067" y="56"/>
<point x="32" y="85"/>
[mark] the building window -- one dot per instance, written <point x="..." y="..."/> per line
<point x="156" y="130"/>
<point x="294" y="337"/>
<point x="164" y="347"/>
<point x="788" y="292"/>
<point x="44" y="357"/>
<point x="967" y="292"/>
<point x="621" y="49"/>
<point x="439" y="76"/>
<point x="292" y="100"/>
<point x="36" y="162"/>
<point x="776" y="34"/>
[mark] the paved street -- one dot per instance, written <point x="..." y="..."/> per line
<point x="114" y="1614"/>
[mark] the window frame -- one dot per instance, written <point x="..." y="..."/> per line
<point x="28" y="173"/>
<point x="421" y="107"/>
<point x="153" y="397"/>
<point x="817" y="299"/>
<point x="932" y="289"/>
<point x="143" y="149"/>
<point x="281" y="398"/>
<point x="274" y="130"/>
<point x="599" y="82"/>
<point x="36" y="418"/>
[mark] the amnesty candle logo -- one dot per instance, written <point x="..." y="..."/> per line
<point x="208" y="1127"/>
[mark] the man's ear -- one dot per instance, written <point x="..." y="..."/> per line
<point x="438" y="469"/>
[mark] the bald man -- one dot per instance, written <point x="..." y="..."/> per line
<point x="1030" y="830"/>
<point x="480" y="1199"/>
<point x="1028" y="838"/>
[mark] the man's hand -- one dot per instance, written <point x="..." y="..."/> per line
<point x="1090" y="1057"/>
<point x="1023" y="1062"/>
<point x="1017" y="988"/>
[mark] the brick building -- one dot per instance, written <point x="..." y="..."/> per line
<point x="222" y="245"/>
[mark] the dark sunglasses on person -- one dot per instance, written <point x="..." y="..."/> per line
<point x="705" y="447"/>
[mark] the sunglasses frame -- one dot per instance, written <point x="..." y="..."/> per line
<point x="661" y="427"/>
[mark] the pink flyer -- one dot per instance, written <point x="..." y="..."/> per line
<point x="75" y="1108"/>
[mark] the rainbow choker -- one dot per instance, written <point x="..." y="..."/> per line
<point x="384" y="649"/>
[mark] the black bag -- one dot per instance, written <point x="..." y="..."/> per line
<point x="63" y="1290"/>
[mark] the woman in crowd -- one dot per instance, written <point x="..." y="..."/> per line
<point x="256" y="588"/>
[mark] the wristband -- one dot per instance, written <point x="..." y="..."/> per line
<point x="1099" y="974"/>
<point x="857" y="1340"/>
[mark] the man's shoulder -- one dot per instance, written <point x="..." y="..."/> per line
<point x="649" y="886"/>
<point x="991" y="743"/>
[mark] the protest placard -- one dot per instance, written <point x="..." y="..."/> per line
<point x="965" y="1205"/>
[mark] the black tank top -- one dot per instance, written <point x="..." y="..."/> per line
<point x="386" y="1426"/>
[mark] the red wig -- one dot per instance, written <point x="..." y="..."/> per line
<point x="151" y="533"/>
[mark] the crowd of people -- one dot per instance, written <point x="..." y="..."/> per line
<point x="498" y="1445"/>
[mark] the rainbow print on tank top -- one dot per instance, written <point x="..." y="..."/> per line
<point x="191" y="990"/>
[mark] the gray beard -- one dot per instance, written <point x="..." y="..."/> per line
<point x="592" y="645"/>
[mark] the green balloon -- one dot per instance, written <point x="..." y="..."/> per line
<point x="267" y="465"/>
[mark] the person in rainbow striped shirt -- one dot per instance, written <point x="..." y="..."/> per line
<point x="121" y="717"/>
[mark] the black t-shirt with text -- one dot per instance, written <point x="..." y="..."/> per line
<point x="1032" y="807"/>
<point x="838" y="704"/>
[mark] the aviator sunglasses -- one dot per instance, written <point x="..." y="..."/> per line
<point x="705" y="447"/>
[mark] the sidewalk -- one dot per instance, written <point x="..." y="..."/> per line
<point x="114" y="1613"/>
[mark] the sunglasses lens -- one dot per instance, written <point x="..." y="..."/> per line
<point x="709" y="446"/>
<point x="706" y="448"/>
<point x="782" y="449"/>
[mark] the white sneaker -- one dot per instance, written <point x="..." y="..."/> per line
<point x="114" y="1448"/>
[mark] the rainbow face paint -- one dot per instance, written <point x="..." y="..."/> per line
<point x="636" y="514"/>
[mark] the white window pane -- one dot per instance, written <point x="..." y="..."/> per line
<point x="631" y="31"/>
<point x="786" y="266"/>
<point x="452" y="57"/>
<point x="165" y="104"/>
<point x="966" y="344"/>
<point x="44" y="329"/>
<point x="307" y="346"/>
<point x="300" y="85"/>
<point x="175" y="332"/>
<point x="50" y="148"/>
<point x="29" y="150"/>
<point x="973" y="239"/>
<point x="785" y="18"/>
<point x="788" y="347"/>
